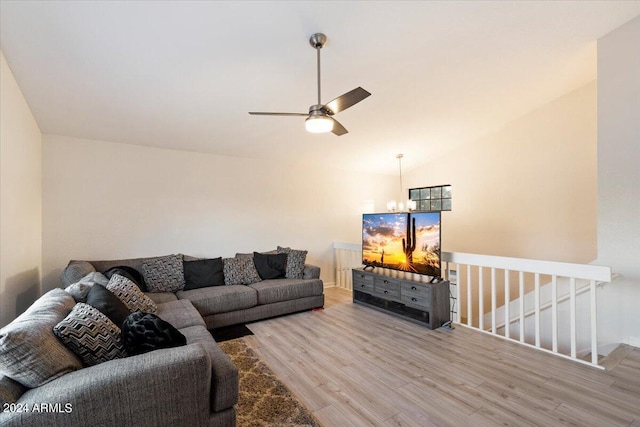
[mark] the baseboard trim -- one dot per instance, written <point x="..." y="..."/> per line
<point x="328" y="285"/>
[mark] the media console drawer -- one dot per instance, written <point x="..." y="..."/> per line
<point x="363" y="282"/>
<point x="425" y="303"/>
<point x="416" y="290"/>
<point x="386" y="287"/>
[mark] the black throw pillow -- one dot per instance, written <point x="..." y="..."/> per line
<point x="203" y="273"/>
<point x="108" y="304"/>
<point x="270" y="266"/>
<point x="130" y="273"/>
<point x="144" y="332"/>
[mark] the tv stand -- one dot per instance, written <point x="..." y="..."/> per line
<point x="424" y="303"/>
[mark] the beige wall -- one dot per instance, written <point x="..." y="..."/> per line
<point x="20" y="200"/>
<point x="528" y="190"/>
<point x="619" y="182"/>
<point x="104" y="200"/>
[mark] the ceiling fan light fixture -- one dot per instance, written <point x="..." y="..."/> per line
<point x="318" y="124"/>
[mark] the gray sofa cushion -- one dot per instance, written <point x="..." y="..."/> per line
<point x="220" y="299"/>
<point x="161" y="297"/>
<point x="75" y="271"/>
<point x="180" y="313"/>
<point x="30" y="353"/>
<point x="270" y="291"/>
<point x="80" y="289"/>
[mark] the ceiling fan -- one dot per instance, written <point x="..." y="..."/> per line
<point x="320" y="117"/>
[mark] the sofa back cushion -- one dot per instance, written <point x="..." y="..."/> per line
<point x="30" y="353"/>
<point x="75" y="271"/>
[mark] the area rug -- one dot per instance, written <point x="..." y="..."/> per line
<point x="263" y="399"/>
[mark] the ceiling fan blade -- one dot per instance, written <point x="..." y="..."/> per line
<point x="277" y="114"/>
<point x="338" y="129"/>
<point x="347" y="100"/>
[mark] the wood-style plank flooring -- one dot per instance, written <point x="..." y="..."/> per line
<point x="355" y="366"/>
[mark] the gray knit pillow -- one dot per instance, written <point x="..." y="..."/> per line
<point x="164" y="274"/>
<point x="75" y="271"/>
<point x="90" y="335"/>
<point x="80" y="289"/>
<point x="131" y="295"/>
<point x="295" y="262"/>
<point x="29" y="351"/>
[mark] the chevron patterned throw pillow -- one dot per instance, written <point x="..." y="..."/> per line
<point x="90" y="335"/>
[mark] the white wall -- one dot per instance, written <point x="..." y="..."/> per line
<point x="104" y="200"/>
<point x="20" y="200"/>
<point x="527" y="191"/>
<point x="619" y="181"/>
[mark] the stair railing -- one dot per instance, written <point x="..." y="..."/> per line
<point x="469" y="290"/>
<point x="347" y="257"/>
<point x="473" y="283"/>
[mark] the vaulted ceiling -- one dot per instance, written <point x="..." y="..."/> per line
<point x="183" y="75"/>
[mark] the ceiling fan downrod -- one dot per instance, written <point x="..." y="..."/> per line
<point x="317" y="41"/>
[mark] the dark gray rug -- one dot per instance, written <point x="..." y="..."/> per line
<point x="263" y="399"/>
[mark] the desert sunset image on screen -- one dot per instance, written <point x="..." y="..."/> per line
<point x="402" y="241"/>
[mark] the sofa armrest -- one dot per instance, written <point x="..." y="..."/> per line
<point x="311" y="272"/>
<point x="164" y="387"/>
<point x="10" y="390"/>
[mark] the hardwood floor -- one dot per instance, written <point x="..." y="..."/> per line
<point x="354" y="366"/>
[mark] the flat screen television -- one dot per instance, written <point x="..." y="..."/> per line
<point x="402" y="241"/>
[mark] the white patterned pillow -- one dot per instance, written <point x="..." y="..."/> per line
<point x="131" y="295"/>
<point x="90" y="335"/>
<point x="248" y="268"/>
<point x="295" y="262"/>
<point x="240" y="271"/>
<point x="233" y="275"/>
<point x="164" y="274"/>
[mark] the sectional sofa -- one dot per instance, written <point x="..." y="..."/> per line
<point x="189" y="385"/>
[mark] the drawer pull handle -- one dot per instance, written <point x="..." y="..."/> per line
<point x="362" y="276"/>
<point x="362" y="286"/>
<point x="386" y="292"/>
<point x="386" y="281"/>
<point x="413" y="288"/>
<point x="413" y="299"/>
